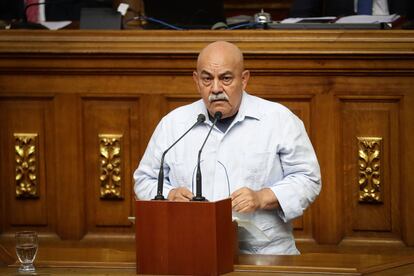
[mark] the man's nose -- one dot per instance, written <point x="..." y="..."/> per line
<point x="216" y="88"/>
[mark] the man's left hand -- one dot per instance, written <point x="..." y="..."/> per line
<point x="245" y="200"/>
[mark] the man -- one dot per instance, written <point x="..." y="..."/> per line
<point x="314" y="8"/>
<point x="259" y="154"/>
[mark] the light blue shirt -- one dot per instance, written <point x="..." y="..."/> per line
<point x="265" y="146"/>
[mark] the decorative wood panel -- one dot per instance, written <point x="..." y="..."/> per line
<point x="26" y="150"/>
<point x="117" y="121"/>
<point x="370" y="177"/>
<point x="27" y="162"/>
<point x="111" y="166"/>
<point x="371" y="118"/>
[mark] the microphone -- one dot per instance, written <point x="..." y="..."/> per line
<point x="26" y="24"/>
<point x="199" y="197"/>
<point x="200" y="119"/>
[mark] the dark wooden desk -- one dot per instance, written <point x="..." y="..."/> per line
<point x="306" y="264"/>
<point x="118" y="258"/>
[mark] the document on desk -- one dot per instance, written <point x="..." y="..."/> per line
<point x="368" y="19"/>
<point x="55" y="25"/>
<point x="323" y="19"/>
<point x="247" y="230"/>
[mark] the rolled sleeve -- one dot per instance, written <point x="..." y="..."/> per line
<point x="290" y="206"/>
<point x="301" y="181"/>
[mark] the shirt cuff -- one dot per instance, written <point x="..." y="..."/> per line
<point x="288" y="202"/>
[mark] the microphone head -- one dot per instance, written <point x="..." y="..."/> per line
<point x="201" y="118"/>
<point x="218" y="115"/>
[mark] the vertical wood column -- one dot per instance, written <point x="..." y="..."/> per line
<point x="327" y="209"/>
<point x="407" y="151"/>
<point x="69" y="168"/>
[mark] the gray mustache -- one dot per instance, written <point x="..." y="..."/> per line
<point x="218" y="97"/>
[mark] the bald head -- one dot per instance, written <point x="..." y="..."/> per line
<point x="220" y="77"/>
<point x="221" y="52"/>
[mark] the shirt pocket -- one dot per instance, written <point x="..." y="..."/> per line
<point x="256" y="168"/>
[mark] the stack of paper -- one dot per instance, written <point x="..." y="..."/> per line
<point x="324" y="19"/>
<point x="55" y="25"/>
<point x="368" y="19"/>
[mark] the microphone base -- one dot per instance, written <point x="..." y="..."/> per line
<point x="199" y="198"/>
<point x="159" y="197"/>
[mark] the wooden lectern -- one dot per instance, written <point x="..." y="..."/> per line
<point x="184" y="238"/>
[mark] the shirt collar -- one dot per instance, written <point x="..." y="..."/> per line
<point x="248" y="109"/>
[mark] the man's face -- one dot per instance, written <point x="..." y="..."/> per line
<point x="220" y="80"/>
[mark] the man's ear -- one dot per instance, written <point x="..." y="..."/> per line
<point x="195" y="77"/>
<point x="245" y="78"/>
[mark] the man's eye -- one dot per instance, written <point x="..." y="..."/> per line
<point x="206" y="79"/>
<point x="227" y="79"/>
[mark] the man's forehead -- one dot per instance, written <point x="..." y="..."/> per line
<point x="218" y="64"/>
<point x="215" y="61"/>
<point x="219" y="72"/>
<point x="214" y="66"/>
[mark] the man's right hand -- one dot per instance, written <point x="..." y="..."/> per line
<point x="180" y="194"/>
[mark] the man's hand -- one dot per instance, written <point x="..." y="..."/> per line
<point x="245" y="200"/>
<point x="180" y="194"/>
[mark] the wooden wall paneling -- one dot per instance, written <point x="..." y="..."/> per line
<point x="151" y="115"/>
<point x="161" y="94"/>
<point x="374" y="117"/>
<point x="378" y="86"/>
<point x="28" y="115"/>
<point x="339" y="68"/>
<point x="70" y="190"/>
<point x="407" y="181"/>
<point x="174" y="101"/>
<point x="108" y="115"/>
<point x="328" y="211"/>
<point x="3" y="152"/>
<point x="373" y="46"/>
<point x="4" y="171"/>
